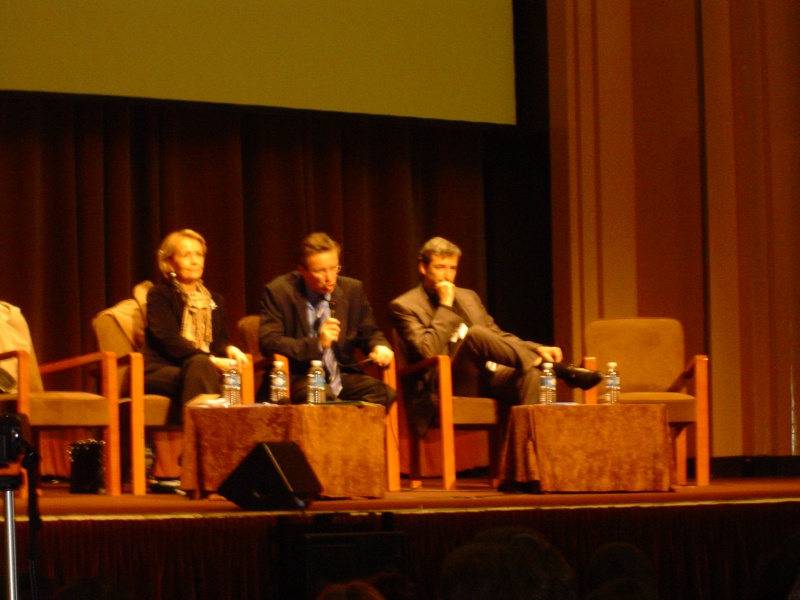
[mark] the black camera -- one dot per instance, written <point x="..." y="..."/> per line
<point x="11" y="441"/>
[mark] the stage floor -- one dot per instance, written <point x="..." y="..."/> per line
<point x="55" y="501"/>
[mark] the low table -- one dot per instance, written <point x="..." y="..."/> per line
<point x="588" y="448"/>
<point x="343" y="444"/>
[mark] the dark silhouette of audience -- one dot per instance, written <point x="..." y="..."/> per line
<point x="620" y="571"/>
<point x="777" y="575"/>
<point x="512" y="563"/>
<point x="352" y="590"/>
<point x="394" y="586"/>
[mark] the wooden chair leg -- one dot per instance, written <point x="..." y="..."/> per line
<point x="680" y="445"/>
<point x="392" y="450"/>
<point x="702" y="460"/>
<point x="495" y="452"/>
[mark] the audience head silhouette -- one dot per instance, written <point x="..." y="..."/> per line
<point x="777" y="576"/>
<point x="507" y="562"/>
<point x="620" y="570"/>
<point x="352" y="590"/>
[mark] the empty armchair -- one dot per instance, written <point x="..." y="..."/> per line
<point x="653" y="369"/>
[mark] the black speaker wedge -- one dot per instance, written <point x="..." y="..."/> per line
<point x="274" y="476"/>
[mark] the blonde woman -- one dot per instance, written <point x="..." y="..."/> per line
<point x="186" y="340"/>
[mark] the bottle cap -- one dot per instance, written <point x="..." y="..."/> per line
<point x="547" y="365"/>
<point x="612" y="365"/>
<point x="316" y="363"/>
<point x="278" y="364"/>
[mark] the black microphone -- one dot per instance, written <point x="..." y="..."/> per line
<point x="332" y="308"/>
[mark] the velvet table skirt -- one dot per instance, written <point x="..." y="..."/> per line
<point x="343" y="444"/>
<point x="595" y="448"/>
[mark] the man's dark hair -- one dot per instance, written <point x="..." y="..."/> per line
<point x="437" y="246"/>
<point x="316" y="243"/>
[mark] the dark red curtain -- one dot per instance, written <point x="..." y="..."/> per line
<point x="90" y="186"/>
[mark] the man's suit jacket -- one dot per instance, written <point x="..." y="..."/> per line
<point x="426" y="329"/>
<point x="285" y="329"/>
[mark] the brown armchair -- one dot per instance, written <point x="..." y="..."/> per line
<point x="120" y="329"/>
<point x="49" y="409"/>
<point x="248" y="333"/>
<point x="455" y="412"/>
<point x="652" y="366"/>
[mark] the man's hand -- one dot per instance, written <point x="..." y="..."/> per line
<point x="329" y="332"/>
<point x="381" y="355"/>
<point x="550" y="353"/>
<point x="447" y="293"/>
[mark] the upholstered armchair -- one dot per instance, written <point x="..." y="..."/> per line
<point x="51" y="409"/>
<point x="120" y="329"/>
<point x="454" y="412"/>
<point x="654" y="369"/>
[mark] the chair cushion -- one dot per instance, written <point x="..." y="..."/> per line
<point x="681" y="408"/>
<point x="649" y="352"/>
<point x="156" y="410"/>
<point x="474" y="411"/>
<point x="65" y="409"/>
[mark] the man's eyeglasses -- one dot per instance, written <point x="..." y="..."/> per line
<point x="322" y="273"/>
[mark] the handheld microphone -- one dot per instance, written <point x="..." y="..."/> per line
<point x="332" y="307"/>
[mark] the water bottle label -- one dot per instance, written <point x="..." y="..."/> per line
<point x="612" y="380"/>
<point x="549" y="382"/>
<point x="278" y="381"/>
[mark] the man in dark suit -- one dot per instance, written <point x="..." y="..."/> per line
<point x="314" y="314"/>
<point x="437" y="317"/>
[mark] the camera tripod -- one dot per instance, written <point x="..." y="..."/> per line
<point x="10" y="481"/>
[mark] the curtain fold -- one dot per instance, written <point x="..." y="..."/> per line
<point x="90" y="186"/>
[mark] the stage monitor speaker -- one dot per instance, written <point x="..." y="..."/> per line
<point x="274" y="476"/>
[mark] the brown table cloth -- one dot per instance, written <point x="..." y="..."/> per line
<point x="594" y="448"/>
<point x="344" y="444"/>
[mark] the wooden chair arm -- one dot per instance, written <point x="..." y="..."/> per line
<point x="434" y="362"/>
<point x="389" y="374"/>
<point x="590" y="396"/>
<point x="248" y="382"/>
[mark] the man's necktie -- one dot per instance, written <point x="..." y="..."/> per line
<point x="328" y="355"/>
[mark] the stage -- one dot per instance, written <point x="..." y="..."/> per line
<point x="705" y="542"/>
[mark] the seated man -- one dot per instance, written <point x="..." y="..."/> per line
<point x="439" y="318"/>
<point x="313" y="314"/>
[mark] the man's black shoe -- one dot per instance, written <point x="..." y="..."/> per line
<point x="578" y="377"/>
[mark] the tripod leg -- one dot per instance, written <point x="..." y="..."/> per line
<point x="11" y="543"/>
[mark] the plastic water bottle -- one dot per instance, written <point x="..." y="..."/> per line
<point x="316" y="383"/>
<point x="232" y="386"/>
<point x="612" y="384"/>
<point x="547" y="384"/>
<point x="277" y="384"/>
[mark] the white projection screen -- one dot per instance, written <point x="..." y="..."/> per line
<point x="432" y="59"/>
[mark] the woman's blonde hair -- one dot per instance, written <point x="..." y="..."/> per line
<point x="169" y="247"/>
